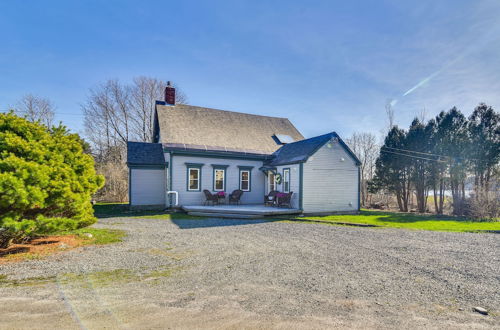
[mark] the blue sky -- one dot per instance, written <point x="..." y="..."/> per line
<point x="326" y="65"/>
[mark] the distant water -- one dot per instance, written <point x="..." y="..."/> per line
<point x="448" y="193"/>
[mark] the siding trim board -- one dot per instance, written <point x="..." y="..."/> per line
<point x="147" y="166"/>
<point x="241" y="167"/>
<point x="359" y="188"/>
<point x="198" y="165"/>
<point x="171" y="170"/>
<point x="336" y="138"/>
<point x="301" y="186"/>
<point x="224" y="155"/>
<point x="220" y="166"/>
<point x="129" y="187"/>
<point x="349" y="151"/>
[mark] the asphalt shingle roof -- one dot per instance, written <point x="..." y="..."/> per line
<point x="191" y="125"/>
<point x="300" y="151"/>
<point x="142" y="153"/>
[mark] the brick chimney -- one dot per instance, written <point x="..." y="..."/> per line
<point x="169" y="94"/>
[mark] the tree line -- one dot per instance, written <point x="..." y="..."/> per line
<point x="114" y="113"/>
<point x="444" y="156"/>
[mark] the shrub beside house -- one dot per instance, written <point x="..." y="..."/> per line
<point x="46" y="180"/>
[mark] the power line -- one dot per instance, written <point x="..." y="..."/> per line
<point x="412" y="156"/>
<point x="55" y="112"/>
<point x="429" y="154"/>
<point x="416" y="152"/>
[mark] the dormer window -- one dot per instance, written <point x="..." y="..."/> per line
<point x="282" y="139"/>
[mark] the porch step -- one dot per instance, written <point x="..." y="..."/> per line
<point x="225" y="215"/>
<point x="232" y="210"/>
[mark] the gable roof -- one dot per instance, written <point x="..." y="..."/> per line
<point x="299" y="152"/>
<point x="142" y="153"/>
<point x="192" y="125"/>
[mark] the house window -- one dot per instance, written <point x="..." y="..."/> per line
<point x="194" y="179"/>
<point x="272" y="181"/>
<point x="219" y="179"/>
<point x="286" y="180"/>
<point x="193" y="176"/>
<point x="245" y="180"/>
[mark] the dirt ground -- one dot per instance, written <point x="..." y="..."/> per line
<point x="38" y="248"/>
<point x="250" y="274"/>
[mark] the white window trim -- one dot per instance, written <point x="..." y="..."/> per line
<point x="241" y="180"/>
<point x="269" y="182"/>
<point x="223" y="178"/>
<point x="189" y="178"/>
<point x="286" y="180"/>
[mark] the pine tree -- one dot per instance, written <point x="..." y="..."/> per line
<point x="46" y="180"/>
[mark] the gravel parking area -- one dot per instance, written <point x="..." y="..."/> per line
<point x="215" y="273"/>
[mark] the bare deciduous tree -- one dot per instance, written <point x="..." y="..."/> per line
<point x="115" y="113"/>
<point x="144" y="91"/>
<point x="36" y="109"/>
<point x="365" y="147"/>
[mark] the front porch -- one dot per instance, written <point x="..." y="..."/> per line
<point x="249" y="211"/>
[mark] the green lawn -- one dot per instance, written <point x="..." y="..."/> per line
<point x="411" y="221"/>
<point x="377" y="218"/>
<point x="111" y="210"/>
<point x="99" y="236"/>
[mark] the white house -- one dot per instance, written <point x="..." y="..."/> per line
<point x="197" y="149"/>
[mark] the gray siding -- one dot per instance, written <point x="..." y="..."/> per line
<point x="294" y="182"/>
<point x="179" y="178"/>
<point x="330" y="184"/>
<point x="147" y="186"/>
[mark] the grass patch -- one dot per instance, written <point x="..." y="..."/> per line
<point x="165" y="272"/>
<point x="100" y="279"/>
<point x="98" y="236"/>
<point x="410" y="221"/>
<point x="43" y="246"/>
<point x="112" y="210"/>
<point x="5" y="282"/>
<point x="94" y="279"/>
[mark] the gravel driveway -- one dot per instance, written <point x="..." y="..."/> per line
<point x="215" y="273"/>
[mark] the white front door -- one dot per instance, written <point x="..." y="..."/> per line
<point x="271" y="182"/>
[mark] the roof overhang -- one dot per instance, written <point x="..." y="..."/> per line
<point x="266" y="169"/>
<point x="146" y="166"/>
<point x="216" y="152"/>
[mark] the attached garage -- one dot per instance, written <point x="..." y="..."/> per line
<point x="147" y="186"/>
<point x="147" y="175"/>
<point x="328" y="174"/>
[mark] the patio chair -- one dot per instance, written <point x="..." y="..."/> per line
<point x="270" y="199"/>
<point x="210" y="198"/>
<point x="284" y="199"/>
<point x="235" y="196"/>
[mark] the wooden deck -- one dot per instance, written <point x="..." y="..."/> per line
<point x="238" y="211"/>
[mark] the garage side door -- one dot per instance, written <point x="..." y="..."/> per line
<point x="147" y="186"/>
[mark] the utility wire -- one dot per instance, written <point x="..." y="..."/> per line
<point x="428" y="153"/>
<point x="415" y="152"/>
<point x="55" y="112"/>
<point x="412" y="156"/>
